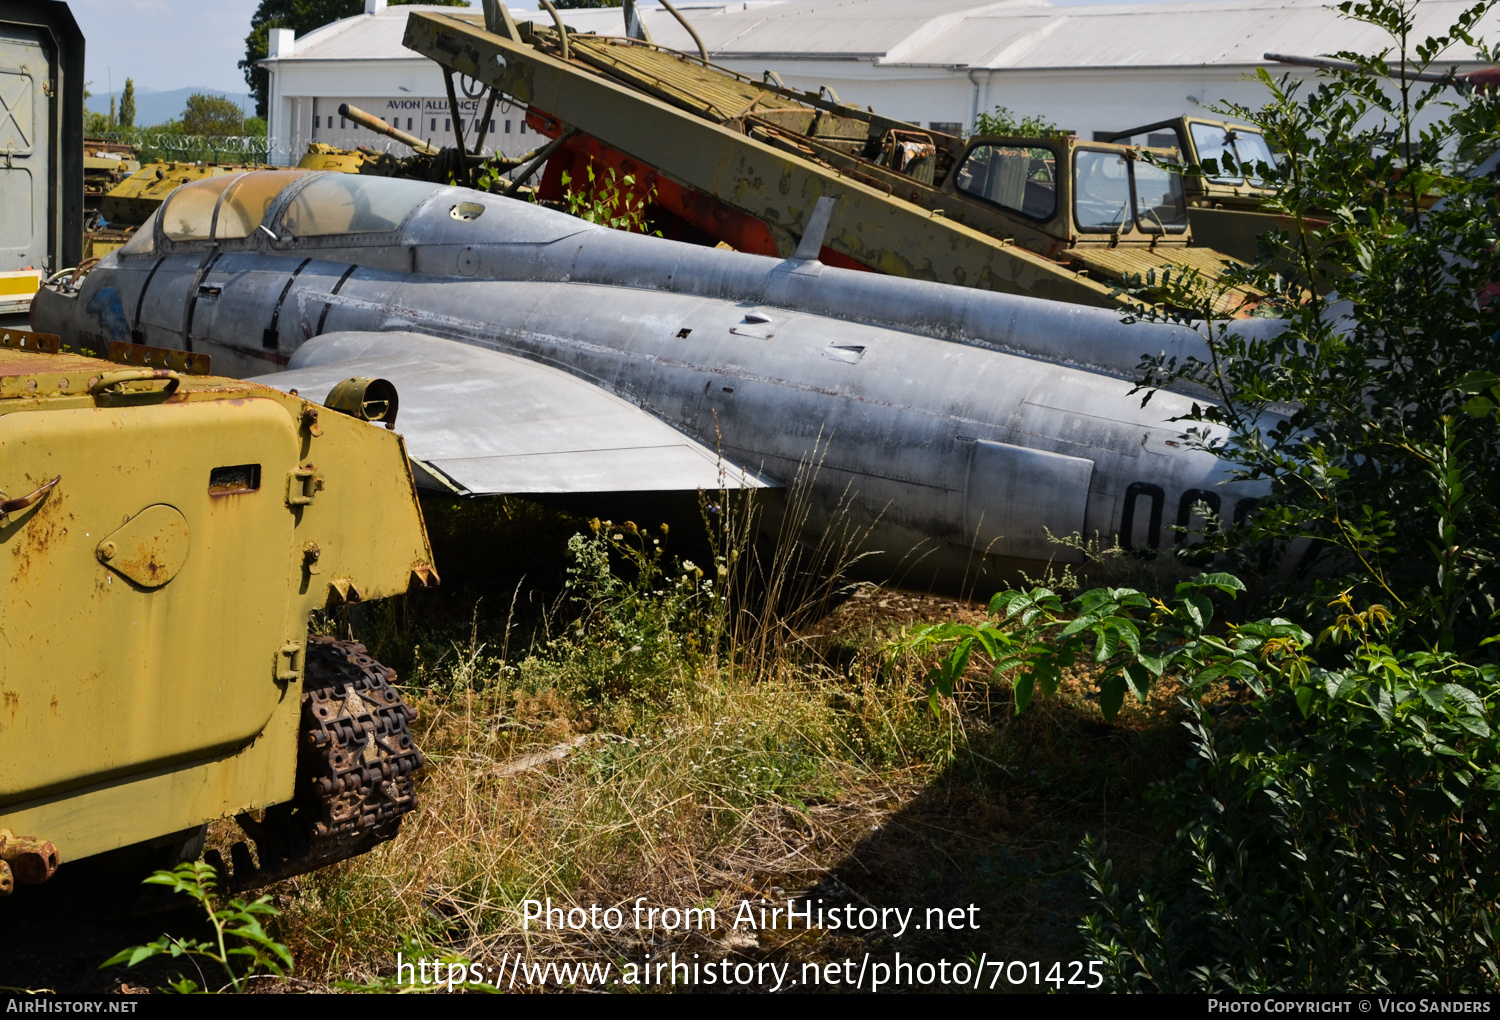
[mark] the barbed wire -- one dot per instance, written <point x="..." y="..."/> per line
<point x="173" y="142"/>
<point x="253" y="147"/>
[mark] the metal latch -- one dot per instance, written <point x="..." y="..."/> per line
<point x="10" y="506"/>
<point x="302" y="484"/>
<point x="289" y="661"/>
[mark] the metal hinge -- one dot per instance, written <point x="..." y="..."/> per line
<point x="289" y="661"/>
<point x="302" y="484"/>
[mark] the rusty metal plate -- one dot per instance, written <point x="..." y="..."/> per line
<point x="149" y="548"/>
<point x="146" y="356"/>
<point x="26" y="340"/>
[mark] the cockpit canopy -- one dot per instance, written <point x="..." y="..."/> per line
<point x="284" y="204"/>
<point x="351" y="204"/>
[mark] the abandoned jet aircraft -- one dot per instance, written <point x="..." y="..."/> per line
<point x="535" y="353"/>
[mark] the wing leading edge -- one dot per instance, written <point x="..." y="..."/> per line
<point x="478" y="422"/>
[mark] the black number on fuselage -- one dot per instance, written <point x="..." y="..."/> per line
<point x="1191" y="498"/>
<point x="1127" y="515"/>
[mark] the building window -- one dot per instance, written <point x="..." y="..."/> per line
<point x="492" y="124"/>
<point x="523" y="127"/>
<point x="342" y="125"/>
<point x="408" y="123"/>
<point x="447" y="123"/>
<point x="434" y="125"/>
<point x="507" y="127"/>
<point x="947" y="127"/>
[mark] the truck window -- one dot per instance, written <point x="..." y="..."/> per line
<point x="1212" y="143"/>
<point x="1101" y="183"/>
<point x="1160" y="205"/>
<point x="1252" y="149"/>
<point x="1013" y="177"/>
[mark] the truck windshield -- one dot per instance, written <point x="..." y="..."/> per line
<point x="1113" y="192"/>
<point x="1245" y="148"/>
<point x="1016" y="177"/>
<point x="1101" y="191"/>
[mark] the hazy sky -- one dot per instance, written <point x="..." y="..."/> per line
<point x="169" y="44"/>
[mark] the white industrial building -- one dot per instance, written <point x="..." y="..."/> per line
<point x="935" y="62"/>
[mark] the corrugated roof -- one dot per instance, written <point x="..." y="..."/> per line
<point x="1018" y="34"/>
<point x="1233" y="32"/>
<point x="366" y="37"/>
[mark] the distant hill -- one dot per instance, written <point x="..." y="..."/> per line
<point x="153" y="107"/>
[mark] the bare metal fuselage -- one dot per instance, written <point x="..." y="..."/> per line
<point x="963" y="426"/>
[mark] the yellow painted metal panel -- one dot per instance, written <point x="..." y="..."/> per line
<point x="137" y="808"/>
<point x="140" y="699"/>
<point x="20" y="283"/>
<point x="1111" y="265"/>
<point x="121" y="665"/>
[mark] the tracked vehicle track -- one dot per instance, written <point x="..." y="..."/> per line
<point x="355" y="772"/>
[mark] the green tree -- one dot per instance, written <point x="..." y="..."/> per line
<point x="1380" y="482"/>
<point x="1333" y="821"/>
<point x="1002" y="122"/>
<point x="211" y="115"/>
<point x="301" y="16"/>
<point x="127" y="105"/>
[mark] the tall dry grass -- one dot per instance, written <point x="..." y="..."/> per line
<point x="694" y="734"/>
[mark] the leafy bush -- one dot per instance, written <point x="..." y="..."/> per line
<point x="608" y="199"/>
<point x="1332" y="836"/>
<point x="1381" y="481"/>
<point x="1039" y="636"/>
<point x="238" y="938"/>
<point x="639" y="620"/>
<point x="1003" y="122"/>
<point x="1333" y="825"/>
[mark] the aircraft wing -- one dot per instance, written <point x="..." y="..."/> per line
<point x="479" y="422"/>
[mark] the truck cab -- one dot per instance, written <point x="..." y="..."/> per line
<point x="1071" y="193"/>
<point x="1098" y="207"/>
<point x="1235" y="149"/>
<point x="1224" y="209"/>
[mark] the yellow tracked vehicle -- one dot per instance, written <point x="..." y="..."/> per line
<point x="164" y="536"/>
